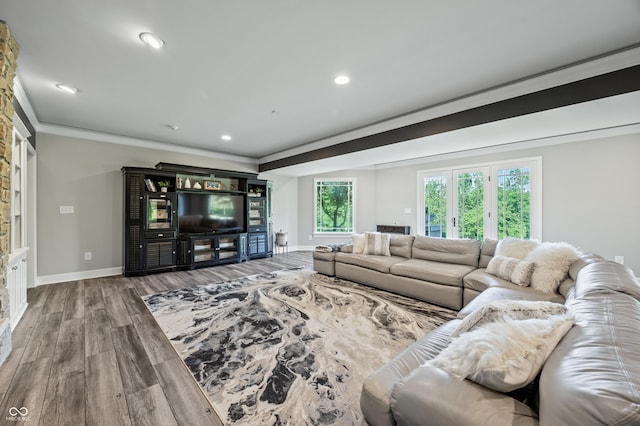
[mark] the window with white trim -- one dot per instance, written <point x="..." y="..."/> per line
<point x="334" y="205"/>
<point x="494" y="200"/>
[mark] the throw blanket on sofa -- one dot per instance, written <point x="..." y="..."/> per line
<point x="329" y="248"/>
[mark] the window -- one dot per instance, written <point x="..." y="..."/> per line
<point x="495" y="200"/>
<point x="335" y="206"/>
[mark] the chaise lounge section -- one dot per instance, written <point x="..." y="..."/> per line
<point x="591" y="377"/>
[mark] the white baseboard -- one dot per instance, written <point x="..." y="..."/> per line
<point x="75" y="276"/>
<point x="108" y="272"/>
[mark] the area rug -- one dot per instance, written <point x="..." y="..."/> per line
<point x="289" y="347"/>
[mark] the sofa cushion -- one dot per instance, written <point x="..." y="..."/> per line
<point x="515" y="247"/>
<point x="503" y="310"/>
<point x="375" y="399"/>
<point x="508" y="293"/>
<point x="514" y="270"/>
<point x="480" y="280"/>
<point x="435" y="272"/>
<point x="504" y="355"/>
<point x="584" y="260"/>
<point x="400" y="245"/>
<point x="430" y="395"/>
<point x="552" y="265"/>
<point x="376" y="243"/>
<point x="451" y="251"/>
<point x="377" y="263"/>
<point x="358" y="243"/>
<point x="608" y="277"/>
<point x="487" y="252"/>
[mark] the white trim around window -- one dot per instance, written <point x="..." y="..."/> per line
<point x="490" y="203"/>
<point x="349" y="226"/>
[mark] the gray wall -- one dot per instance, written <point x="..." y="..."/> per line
<point x="86" y="174"/>
<point x="591" y="196"/>
<point x="366" y="193"/>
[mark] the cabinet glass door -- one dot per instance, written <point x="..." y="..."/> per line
<point x="159" y="213"/>
<point x="227" y="247"/>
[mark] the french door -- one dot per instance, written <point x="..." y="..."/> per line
<point x="475" y="202"/>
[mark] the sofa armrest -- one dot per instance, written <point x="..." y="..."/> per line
<point x="375" y="400"/>
<point x="432" y="396"/>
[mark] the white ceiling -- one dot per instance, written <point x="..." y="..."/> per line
<point x="263" y="71"/>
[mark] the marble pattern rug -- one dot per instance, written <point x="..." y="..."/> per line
<point x="289" y="347"/>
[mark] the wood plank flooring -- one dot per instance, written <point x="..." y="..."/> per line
<point x="89" y="352"/>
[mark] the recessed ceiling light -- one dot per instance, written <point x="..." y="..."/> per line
<point x="341" y="79"/>
<point x="225" y="137"/>
<point x="67" y="89"/>
<point x="172" y="126"/>
<point x="151" y="40"/>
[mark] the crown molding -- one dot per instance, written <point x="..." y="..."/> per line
<point x="73" y="132"/>
<point x="23" y="100"/>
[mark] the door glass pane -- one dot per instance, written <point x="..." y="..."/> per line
<point x="514" y="202"/>
<point x="471" y="205"/>
<point x="435" y="206"/>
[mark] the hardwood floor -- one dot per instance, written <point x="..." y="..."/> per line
<point x="89" y="352"/>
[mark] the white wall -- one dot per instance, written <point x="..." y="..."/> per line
<point x="86" y="174"/>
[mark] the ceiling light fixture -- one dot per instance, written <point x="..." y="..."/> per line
<point x="68" y="89"/>
<point x="225" y="137"/>
<point x="151" y="40"/>
<point x="341" y="79"/>
<point x="172" y="126"/>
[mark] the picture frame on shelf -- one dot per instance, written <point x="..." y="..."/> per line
<point x="212" y="185"/>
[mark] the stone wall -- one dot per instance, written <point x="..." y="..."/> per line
<point x="8" y="57"/>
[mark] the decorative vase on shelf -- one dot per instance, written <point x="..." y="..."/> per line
<point x="163" y="189"/>
<point x="187" y="183"/>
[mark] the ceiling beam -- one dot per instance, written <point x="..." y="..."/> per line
<point x="601" y="86"/>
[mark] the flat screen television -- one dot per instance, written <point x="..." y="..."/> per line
<point x="211" y="213"/>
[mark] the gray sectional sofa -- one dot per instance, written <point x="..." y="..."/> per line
<point x="446" y="272"/>
<point x="592" y="377"/>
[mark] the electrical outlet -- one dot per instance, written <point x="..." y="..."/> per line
<point x="88" y="255"/>
<point x="407" y="209"/>
<point x="66" y="210"/>
<point x="619" y="259"/>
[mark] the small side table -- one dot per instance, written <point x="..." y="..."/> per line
<point x="281" y="242"/>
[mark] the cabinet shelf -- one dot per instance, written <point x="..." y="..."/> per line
<point x="197" y="251"/>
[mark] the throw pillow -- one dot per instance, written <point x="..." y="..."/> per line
<point x="515" y="247"/>
<point x="507" y="310"/>
<point x="504" y="356"/>
<point x="553" y="261"/>
<point x="511" y="269"/>
<point x="377" y="244"/>
<point x="358" y="241"/>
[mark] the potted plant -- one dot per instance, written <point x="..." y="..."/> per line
<point x="164" y="185"/>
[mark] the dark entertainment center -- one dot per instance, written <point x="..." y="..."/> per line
<point x="185" y="217"/>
